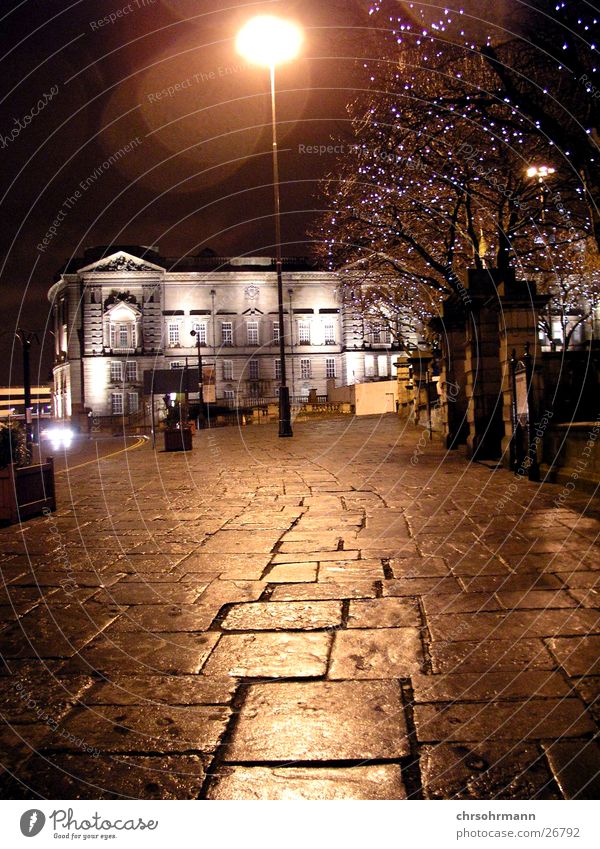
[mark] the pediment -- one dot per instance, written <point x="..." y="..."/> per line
<point x="120" y="261"/>
<point x="121" y="311"/>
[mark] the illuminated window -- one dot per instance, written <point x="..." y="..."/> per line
<point x="227" y="333"/>
<point x="329" y="334"/>
<point x="173" y="334"/>
<point x="116" y="400"/>
<point x="252" y="329"/>
<point x="200" y="332"/>
<point x="133" y="402"/>
<point x="304" y="332"/>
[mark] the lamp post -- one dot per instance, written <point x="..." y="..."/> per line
<point x="201" y="417"/>
<point x="268" y="41"/>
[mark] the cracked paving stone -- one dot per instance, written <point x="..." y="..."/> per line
<point x="576" y="767"/>
<point x="290" y="573"/>
<point x="145" y="652"/>
<point x="415" y="567"/>
<point x="24" y="696"/>
<point x="283" y="616"/>
<point x="144" y="593"/>
<point x="231" y="592"/>
<point x="484" y="686"/>
<point x="319" y="557"/>
<point x="577" y="655"/>
<point x="420" y="586"/>
<point x="384" y="613"/>
<point x="511" y="583"/>
<point x="57" y="630"/>
<point x="485" y="771"/>
<point x="534" y="718"/>
<point x="351" y="569"/>
<point x="161" y="689"/>
<point x="310" y="591"/>
<point x="241" y="542"/>
<point x="166" y="617"/>
<point x="320" y="721"/>
<point x="386" y="653"/>
<point x="514" y="625"/>
<point x="464" y="602"/>
<point x="63" y="776"/>
<point x="142" y="728"/>
<point x="270" y="655"/>
<point x="489" y="656"/>
<point x="317" y="783"/>
<point x="242" y="566"/>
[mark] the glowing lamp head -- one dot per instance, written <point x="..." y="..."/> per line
<point x="269" y="41"/>
<point x="540" y="171"/>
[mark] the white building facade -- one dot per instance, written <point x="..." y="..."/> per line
<point x="121" y="311"/>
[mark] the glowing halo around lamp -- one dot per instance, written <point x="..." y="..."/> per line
<point x="269" y="41"/>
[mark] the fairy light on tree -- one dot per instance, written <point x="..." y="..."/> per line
<point x="437" y="178"/>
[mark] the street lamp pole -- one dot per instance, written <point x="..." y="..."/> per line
<point x="268" y="41"/>
<point x="201" y="417"/>
<point x="285" y="413"/>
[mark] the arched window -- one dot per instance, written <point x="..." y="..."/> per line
<point x="122" y="327"/>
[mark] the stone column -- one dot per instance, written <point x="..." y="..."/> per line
<point x="450" y="326"/>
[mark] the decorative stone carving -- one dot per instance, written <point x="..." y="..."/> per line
<point x="122" y="263"/>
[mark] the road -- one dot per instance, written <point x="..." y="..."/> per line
<point x="351" y="613"/>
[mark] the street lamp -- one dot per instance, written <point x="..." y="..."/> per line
<point x="201" y="417"/>
<point x="268" y="41"/>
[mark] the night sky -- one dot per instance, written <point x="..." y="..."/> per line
<point x="162" y="86"/>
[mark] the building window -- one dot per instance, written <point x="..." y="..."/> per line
<point x="131" y="371"/>
<point x="329" y="334"/>
<point x="123" y="336"/>
<point x="229" y="396"/>
<point x="276" y="333"/>
<point x="200" y="330"/>
<point x="116" y="372"/>
<point x="305" y="371"/>
<point x="376" y="334"/>
<point x="369" y="365"/>
<point x="227" y="333"/>
<point x="175" y="364"/>
<point x="277" y="369"/>
<point x="330" y="367"/>
<point x="116" y="403"/>
<point x="304" y="332"/>
<point x="382" y="366"/>
<point x="227" y="370"/>
<point x="253" y="369"/>
<point x="386" y="336"/>
<point x="133" y="402"/>
<point x="173" y="335"/>
<point x="252" y="332"/>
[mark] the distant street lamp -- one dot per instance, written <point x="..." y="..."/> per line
<point x="268" y="41"/>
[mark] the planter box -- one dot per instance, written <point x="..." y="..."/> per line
<point x="178" y="439"/>
<point x="27" y="491"/>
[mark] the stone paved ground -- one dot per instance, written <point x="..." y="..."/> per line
<point x="348" y="614"/>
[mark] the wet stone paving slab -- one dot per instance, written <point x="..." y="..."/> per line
<point x="314" y="618"/>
